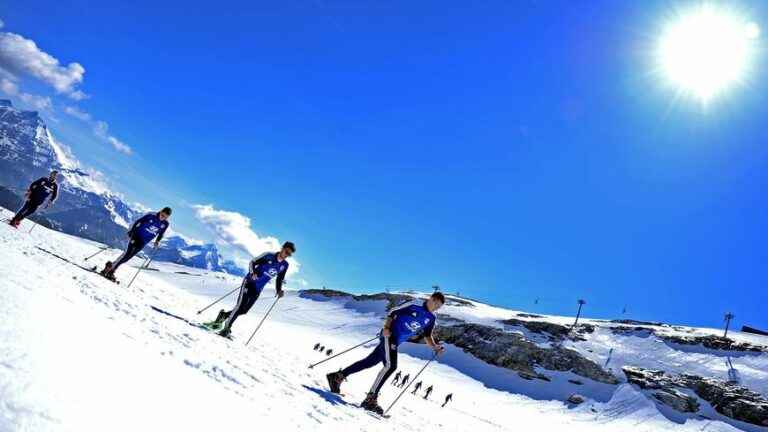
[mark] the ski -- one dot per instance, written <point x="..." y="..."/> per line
<point x="192" y="323"/>
<point x="377" y="416"/>
<point x="88" y="269"/>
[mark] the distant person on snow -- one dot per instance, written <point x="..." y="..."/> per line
<point x="397" y="378"/>
<point x="261" y="270"/>
<point x="447" y="399"/>
<point x="416" y="388"/>
<point x="405" y="380"/>
<point x="412" y="320"/>
<point x="143" y="231"/>
<point x="429" y="391"/>
<point x="329" y="352"/>
<point x="317" y="346"/>
<point x="36" y="195"/>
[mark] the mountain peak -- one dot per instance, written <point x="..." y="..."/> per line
<point x="6" y="103"/>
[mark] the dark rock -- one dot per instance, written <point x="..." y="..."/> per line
<point x="638" y="323"/>
<point x="528" y="315"/>
<point x="575" y="399"/>
<point x="555" y="332"/>
<point x="727" y="398"/>
<point x="715" y="343"/>
<point x="677" y="400"/>
<point x="513" y="351"/>
<point x="576" y="382"/>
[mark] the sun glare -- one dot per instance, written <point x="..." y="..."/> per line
<point x="707" y="50"/>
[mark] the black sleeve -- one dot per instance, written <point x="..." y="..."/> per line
<point x="261" y="259"/>
<point x="55" y="193"/>
<point x="429" y="329"/>
<point x="279" y="280"/>
<point x="161" y="234"/>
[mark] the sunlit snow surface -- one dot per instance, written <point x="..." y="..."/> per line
<point x="79" y="353"/>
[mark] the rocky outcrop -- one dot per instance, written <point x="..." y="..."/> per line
<point x="715" y="343"/>
<point x="632" y="331"/>
<point x="391" y="298"/>
<point x="555" y="332"/>
<point x="514" y="352"/>
<point x="638" y="323"/>
<point x="728" y="399"/>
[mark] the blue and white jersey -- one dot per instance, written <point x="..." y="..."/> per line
<point x="266" y="267"/>
<point x="148" y="227"/>
<point x="410" y="320"/>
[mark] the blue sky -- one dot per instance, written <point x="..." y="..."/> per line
<point x="506" y="150"/>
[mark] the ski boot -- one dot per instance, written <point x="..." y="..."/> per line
<point x="334" y="381"/>
<point x="370" y="404"/>
<point x="225" y="332"/>
<point x="218" y="322"/>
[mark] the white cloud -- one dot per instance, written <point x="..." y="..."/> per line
<point x="234" y="229"/>
<point x="20" y="56"/>
<point x="77" y="113"/>
<point x="40" y="103"/>
<point x="101" y="130"/>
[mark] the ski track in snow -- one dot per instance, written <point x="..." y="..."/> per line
<point x="79" y="353"/>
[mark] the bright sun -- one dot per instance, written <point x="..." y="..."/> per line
<point x="706" y="50"/>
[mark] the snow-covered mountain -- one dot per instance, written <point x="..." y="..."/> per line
<point x="81" y="353"/>
<point x="86" y="207"/>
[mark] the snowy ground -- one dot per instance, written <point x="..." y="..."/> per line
<point x="80" y="353"/>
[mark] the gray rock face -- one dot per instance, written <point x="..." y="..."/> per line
<point x="715" y="343"/>
<point x="575" y="399"/>
<point x="728" y="399"/>
<point x="555" y="332"/>
<point x="678" y="400"/>
<point x="513" y="351"/>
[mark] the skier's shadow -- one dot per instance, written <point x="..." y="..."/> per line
<point x="332" y="398"/>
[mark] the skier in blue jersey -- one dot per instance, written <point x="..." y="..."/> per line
<point x="412" y="321"/>
<point x="261" y="270"/>
<point x="142" y="232"/>
<point x="37" y="193"/>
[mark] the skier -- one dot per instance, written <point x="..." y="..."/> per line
<point x="143" y="231"/>
<point x="405" y="380"/>
<point x="322" y="348"/>
<point x="35" y="196"/>
<point x="447" y="399"/>
<point x="397" y="378"/>
<point x="429" y="391"/>
<point x="261" y="270"/>
<point x="329" y="352"/>
<point x="412" y="320"/>
<point x="317" y="346"/>
<point x="416" y="388"/>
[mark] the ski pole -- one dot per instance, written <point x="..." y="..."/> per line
<point x="142" y="267"/>
<point x="409" y="383"/>
<point x="344" y="352"/>
<point x="262" y="320"/>
<point x="221" y="298"/>
<point x="100" y="251"/>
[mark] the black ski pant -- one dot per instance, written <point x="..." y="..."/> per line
<point x="26" y="210"/>
<point x="386" y="353"/>
<point x="134" y="247"/>
<point x="249" y="293"/>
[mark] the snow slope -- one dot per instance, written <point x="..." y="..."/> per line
<point x="79" y="353"/>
